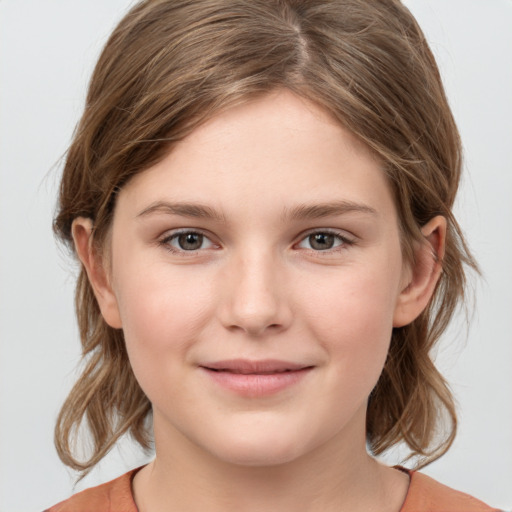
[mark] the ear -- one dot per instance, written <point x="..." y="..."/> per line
<point x="423" y="273"/>
<point x="96" y="272"/>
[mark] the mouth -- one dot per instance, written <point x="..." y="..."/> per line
<point x="255" y="378"/>
<point x="246" y="367"/>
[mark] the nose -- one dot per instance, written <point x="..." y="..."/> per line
<point x="255" y="299"/>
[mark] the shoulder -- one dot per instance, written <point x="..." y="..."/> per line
<point x="427" y="495"/>
<point x="113" y="496"/>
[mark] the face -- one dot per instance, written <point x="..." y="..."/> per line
<point x="256" y="272"/>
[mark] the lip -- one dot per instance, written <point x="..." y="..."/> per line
<point x="255" y="378"/>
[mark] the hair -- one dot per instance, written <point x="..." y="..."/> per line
<point x="172" y="64"/>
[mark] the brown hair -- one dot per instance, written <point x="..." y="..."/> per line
<point x="172" y="64"/>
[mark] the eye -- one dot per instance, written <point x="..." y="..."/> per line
<point x="186" y="241"/>
<point x="323" y="241"/>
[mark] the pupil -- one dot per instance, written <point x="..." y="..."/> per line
<point x="190" y="241"/>
<point x="321" y="241"/>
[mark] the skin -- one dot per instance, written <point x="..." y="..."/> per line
<point x="261" y="286"/>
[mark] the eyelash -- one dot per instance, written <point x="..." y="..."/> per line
<point x="343" y="242"/>
<point x="166" y="242"/>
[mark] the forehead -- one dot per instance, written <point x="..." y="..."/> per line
<point x="272" y="152"/>
<point x="277" y="119"/>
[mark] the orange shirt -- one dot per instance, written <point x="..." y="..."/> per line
<point x="424" y="495"/>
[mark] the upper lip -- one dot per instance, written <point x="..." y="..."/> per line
<point x="248" y="366"/>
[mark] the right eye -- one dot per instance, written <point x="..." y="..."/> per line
<point x="186" y="241"/>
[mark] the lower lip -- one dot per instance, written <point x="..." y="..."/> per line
<point x="256" y="385"/>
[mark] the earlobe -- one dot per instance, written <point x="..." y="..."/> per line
<point x="424" y="274"/>
<point x="94" y="266"/>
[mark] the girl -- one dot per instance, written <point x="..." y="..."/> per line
<point x="260" y="194"/>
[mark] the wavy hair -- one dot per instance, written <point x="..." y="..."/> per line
<point x="172" y="64"/>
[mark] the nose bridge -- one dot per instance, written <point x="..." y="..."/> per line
<point x="256" y="298"/>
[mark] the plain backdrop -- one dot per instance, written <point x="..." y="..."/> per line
<point x="47" y="50"/>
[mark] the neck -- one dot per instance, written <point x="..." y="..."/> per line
<point x="335" y="477"/>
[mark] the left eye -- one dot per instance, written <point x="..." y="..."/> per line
<point x="322" y="241"/>
<point x="188" y="241"/>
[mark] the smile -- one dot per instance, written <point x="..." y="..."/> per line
<point x="255" y="378"/>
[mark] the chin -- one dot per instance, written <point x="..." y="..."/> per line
<point x="256" y="455"/>
<point x="270" y="447"/>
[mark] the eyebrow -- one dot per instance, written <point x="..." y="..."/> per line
<point x="331" y="209"/>
<point x="299" y="212"/>
<point x="192" y="210"/>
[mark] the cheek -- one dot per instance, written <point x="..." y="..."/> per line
<point x="352" y="317"/>
<point x="161" y="313"/>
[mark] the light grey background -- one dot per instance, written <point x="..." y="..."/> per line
<point x="47" y="50"/>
